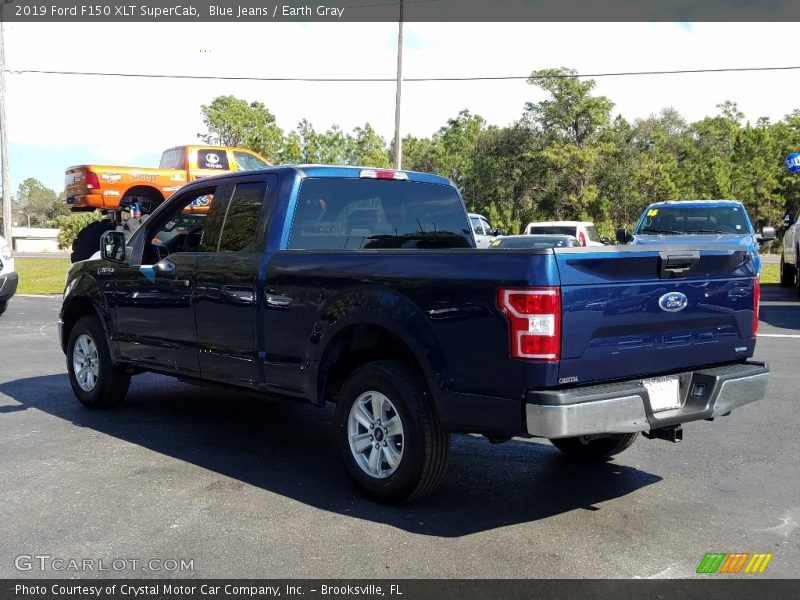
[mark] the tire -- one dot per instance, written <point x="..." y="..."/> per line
<point x="3" y="306"/>
<point x="797" y="272"/>
<point x="409" y="431"/>
<point x="102" y="384"/>
<point x="597" y="449"/>
<point x="787" y="273"/>
<point x="87" y="242"/>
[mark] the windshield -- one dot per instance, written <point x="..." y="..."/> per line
<point x="677" y="219"/>
<point x="339" y="214"/>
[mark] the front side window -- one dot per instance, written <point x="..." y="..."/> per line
<point x="476" y="225"/>
<point x="248" y="162"/>
<point x="352" y="214"/>
<point x="486" y="227"/>
<point x="193" y="225"/>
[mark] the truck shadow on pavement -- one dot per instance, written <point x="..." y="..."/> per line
<point x="780" y="307"/>
<point x="288" y="449"/>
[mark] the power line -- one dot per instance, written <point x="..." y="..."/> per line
<point x="406" y="79"/>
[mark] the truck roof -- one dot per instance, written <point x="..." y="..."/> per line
<point x="698" y="203"/>
<point x="310" y="170"/>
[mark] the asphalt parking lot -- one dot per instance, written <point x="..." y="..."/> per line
<point x="247" y="488"/>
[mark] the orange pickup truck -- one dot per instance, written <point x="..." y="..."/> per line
<point x="89" y="187"/>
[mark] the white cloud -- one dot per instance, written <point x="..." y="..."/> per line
<point x="120" y="118"/>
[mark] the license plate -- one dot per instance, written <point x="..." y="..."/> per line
<point x="664" y="393"/>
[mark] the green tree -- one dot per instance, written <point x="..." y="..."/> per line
<point x="232" y="121"/>
<point x="572" y="121"/>
<point x="37" y="204"/>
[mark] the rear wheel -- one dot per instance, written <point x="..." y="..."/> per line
<point x="587" y="448"/>
<point x="96" y="381"/>
<point x="787" y="273"/>
<point x="389" y="437"/>
<point x="87" y="242"/>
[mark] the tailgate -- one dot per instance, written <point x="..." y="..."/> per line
<point x="629" y="311"/>
<point x="75" y="181"/>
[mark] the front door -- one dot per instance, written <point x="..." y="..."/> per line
<point x="154" y="296"/>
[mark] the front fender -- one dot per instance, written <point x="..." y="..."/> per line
<point x="83" y="295"/>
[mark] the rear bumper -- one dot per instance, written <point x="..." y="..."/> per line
<point x="624" y="407"/>
<point x="89" y="201"/>
<point x="8" y="285"/>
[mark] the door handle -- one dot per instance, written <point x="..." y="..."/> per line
<point x="180" y="283"/>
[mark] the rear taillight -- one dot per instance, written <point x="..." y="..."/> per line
<point x="92" y="181"/>
<point x="581" y="238"/>
<point x="756" y="301"/>
<point x="534" y="317"/>
<point x="383" y="174"/>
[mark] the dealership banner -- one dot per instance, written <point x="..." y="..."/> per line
<point x="398" y="589"/>
<point x="389" y="10"/>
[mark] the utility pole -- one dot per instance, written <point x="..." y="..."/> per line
<point x="4" y="135"/>
<point x="398" y="140"/>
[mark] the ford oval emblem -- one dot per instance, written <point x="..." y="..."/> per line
<point x="673" y="302"/>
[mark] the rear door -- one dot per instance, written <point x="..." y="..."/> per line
<point x="630" y="312"/>
<point x="226" y="286"/>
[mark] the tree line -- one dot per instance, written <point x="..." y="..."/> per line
<point x="567" y="157"/>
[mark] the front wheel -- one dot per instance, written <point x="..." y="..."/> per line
<point x="586" y="448"/>
<point x="3" y="306"/>
<point x="389" y="437"/>
<point x="96" y="381"/>
<point x="787" y="273"/>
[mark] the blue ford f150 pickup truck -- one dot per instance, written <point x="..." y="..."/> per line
<point x="698" y="222"/>
<point x="363" y="288"/>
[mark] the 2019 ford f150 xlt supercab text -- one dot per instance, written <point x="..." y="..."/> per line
<point x="363" y="288"/>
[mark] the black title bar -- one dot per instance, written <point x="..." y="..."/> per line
<point x="711" y="588"/>
<point x="157" y="11"/>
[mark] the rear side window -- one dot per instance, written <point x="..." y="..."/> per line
<point x="351" y="214"/>
<point x="212" y="158"/>
<point x="554" y="230"/>
<point x="592" y="233"/>
<point x="240" y="230"/>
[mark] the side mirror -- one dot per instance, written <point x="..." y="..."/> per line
<point x="605" y="241"/>
<point x="767" y="234"/>
<point x="112" y="246"/>
<point x="788" y="219"/>
<point x="499" y="231"/>
<point x="623" y="236"/>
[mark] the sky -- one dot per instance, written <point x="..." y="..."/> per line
<point x="55" y="121"/>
